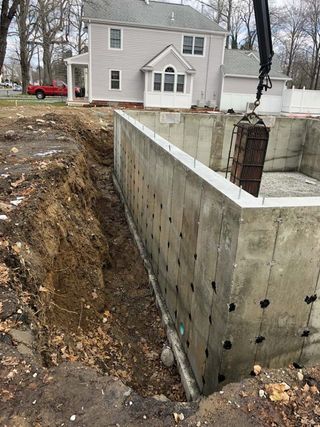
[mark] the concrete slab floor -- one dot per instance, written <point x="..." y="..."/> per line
<point x="288" y="184"/>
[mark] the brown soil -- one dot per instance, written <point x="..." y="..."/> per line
<point x="82" y="273"/>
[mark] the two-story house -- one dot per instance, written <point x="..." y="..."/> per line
<point x="149" y="52"/>
<point x="166" y="55"/>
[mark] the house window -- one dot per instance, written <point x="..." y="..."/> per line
<point x="193" y="45"/>
<point x="180" y="83"/>
<point x="169" y="80"/>
<point x="188" y="45"/>
<point x="115" y="38"/>
<point x="198" y="46"/>
<point x="115" y="80"/>
<point x="157" y="82"/>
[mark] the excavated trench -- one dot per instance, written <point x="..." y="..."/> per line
<point x="76" y="268"/>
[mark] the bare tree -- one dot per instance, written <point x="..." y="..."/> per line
<point x="293" y="23"/>
<point x="8" y="11"/>
<point x="236" y="25"/>
<point x="27" y="28"/>
<point x="222" y="14"/>
<point x="301" y="69"/>
<point x="312" y="25"/>
<point x="76" y="34"/>
<point x="288" y="24"/>
<point x="248" y="19"/>
<point x="52" y="16"/>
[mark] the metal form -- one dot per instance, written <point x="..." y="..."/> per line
<point x="250" y="141"/>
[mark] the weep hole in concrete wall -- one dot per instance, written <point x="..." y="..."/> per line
<point x="239" y="274"/>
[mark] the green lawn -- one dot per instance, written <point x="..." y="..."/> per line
<point x="4" y="93"/>
<point x="33" y="101"/>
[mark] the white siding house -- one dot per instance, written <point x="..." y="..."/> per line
<point x="239" y="82"/>
<point x="153" y="53"/>
<point x="166" y="55"/>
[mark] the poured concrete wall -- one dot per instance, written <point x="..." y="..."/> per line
<point x="277" y="267"/>
<point x="239" y="274"/>
<point x="310" y="162"/>
<point x="207" y="137"/>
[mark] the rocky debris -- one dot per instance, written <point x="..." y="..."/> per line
<point x="17" y="202"/>
<point x="167" y="357"/>
<point x="5" y="339"/>
<point x="262" y="394"/>
<point x="178" y="417"/>
<point x="24" y="341"/>
<point x="22" y="337"/>
<point x="5" y="207"/>
<point x="25" y="350"/>
<point x="257" y="370"/>
<point x="300" y="376"/>
<point x="161" y="398"/>
<point x="10" y="135"/>
<point x="8" y="303"/>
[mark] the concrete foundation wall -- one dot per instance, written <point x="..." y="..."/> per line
<point x="310" y="162"/>
<point x="207" y="137"/>
<point x="277" y="267"/>
<point x="239" y="274"/>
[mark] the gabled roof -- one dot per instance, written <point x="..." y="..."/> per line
<point x="169" y="49"/>
<point x="155" y="15"/>
<point x="246" y="63"/>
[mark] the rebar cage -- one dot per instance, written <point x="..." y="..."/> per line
<point x="250" y="141"/>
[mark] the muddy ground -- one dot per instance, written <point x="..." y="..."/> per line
<point x="80" y="335"/>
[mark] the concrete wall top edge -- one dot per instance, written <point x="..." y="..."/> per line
<point x="240" y="197"/>
<point x="235" y="116"/>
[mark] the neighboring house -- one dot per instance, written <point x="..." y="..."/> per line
<point x="166" y="55"/>
<point x="239" y="82"/>
<point x="153" y="53"/>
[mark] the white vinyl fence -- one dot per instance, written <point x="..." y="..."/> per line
<point x="301" y="101"/>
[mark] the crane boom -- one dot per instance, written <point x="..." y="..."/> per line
<point x="262" y="15"/>
<point x="250" y="135"/>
